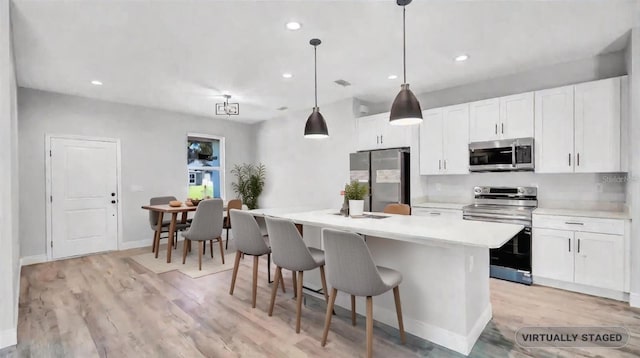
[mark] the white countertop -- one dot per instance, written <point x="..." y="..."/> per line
<point x="603" y="214"/>
<point x="439" y="205"/>
<point x="416" y="229"/>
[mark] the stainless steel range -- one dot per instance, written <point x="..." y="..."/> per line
<point x="512" y="205"/>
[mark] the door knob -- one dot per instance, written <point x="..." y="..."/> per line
<point x="113" y="201"/>
<point x="113" y="194"/>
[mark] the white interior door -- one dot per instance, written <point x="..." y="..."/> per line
<point x="84" y="194"/>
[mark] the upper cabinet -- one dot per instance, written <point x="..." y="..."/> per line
<point x="375" y="132"/>
<point x="577" y="128"/>
<point x="444" y="139"/>
<point x="502" y="118"/>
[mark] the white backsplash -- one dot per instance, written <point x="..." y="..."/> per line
<point x="569" y="191"/>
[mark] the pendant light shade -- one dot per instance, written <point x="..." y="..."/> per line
<point x="316" y="126"/>
<point x="405" y="109"/>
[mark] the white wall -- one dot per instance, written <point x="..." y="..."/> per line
<point x="633" y="186"/>
<point x="142" y="132"/>
<point x="9" y="255"/>
<point x="306" y="172"/>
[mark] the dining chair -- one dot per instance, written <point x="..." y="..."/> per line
<point x="153" y="222"/>
<point x="206" y="226"/>
<point x="291" y="253"/>
<point x="232" y="204"/>
<point x="351" y="269"/>
<point x="249" y="241"/>
<point x="401" y="209"/>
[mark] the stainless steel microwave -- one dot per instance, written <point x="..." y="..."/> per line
<point x="501" y="155"/>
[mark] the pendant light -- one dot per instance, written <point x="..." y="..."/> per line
<point x="316" y="127"/>
<point x="405" y="109"/>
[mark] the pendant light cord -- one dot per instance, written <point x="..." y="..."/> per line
<point x="404" y="44"/>
<point x="315" y="71"/>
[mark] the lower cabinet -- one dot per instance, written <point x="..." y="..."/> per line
<point x="599" y="260"/>
<point x="586" y="258"/>
<point x="437" y="212"/>
<point x="552" y="254"/>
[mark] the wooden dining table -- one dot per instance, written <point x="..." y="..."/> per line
<point x="174" y="211"/>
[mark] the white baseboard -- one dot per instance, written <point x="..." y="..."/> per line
<point x="448" y="339"/>
<point x="8" y="338"/>
<point x="576" y="287"/>
<point x="126" y="245"/>
<point x="32" y="260"/>
<point x="634" y="300"/>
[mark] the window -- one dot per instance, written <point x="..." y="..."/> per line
<point x="205" y="162"/>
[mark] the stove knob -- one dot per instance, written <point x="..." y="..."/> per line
<point x="477" y="190"/>
<point x="520" y="190"/>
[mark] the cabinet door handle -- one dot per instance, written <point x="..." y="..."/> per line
<point x="578" y="245"/>
<point x="377" y="139"/>
<point x="434" y="213"/>
<point x="578" y="160"/>
<point x="569" y="241"/>
<point x="573" y="223"/>
<point x="496" y="128"/>
<point x="502" y="128"/>
<point x="381" y="140"/>
<point x="439" y="164"/>
<point x="445" y="164"/>
<point x="569" y="159"/>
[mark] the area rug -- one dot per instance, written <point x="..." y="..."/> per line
<point x="190" y="268"/>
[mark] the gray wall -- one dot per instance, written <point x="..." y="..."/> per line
<point x="142" y="132"/>
<point x="9" y="254"/>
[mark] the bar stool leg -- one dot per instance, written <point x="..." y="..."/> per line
<point x="353" y="310"/>
<point x="274" y="290"/>
<point x="235" y="272"/>
<point x="369" y="326"/>
<point x="299" y="301"/>
<point x="327" y="317"/>
<point x="324" y="284"/>
<point x="396" y="296"/>
<point x="255" y="281"/>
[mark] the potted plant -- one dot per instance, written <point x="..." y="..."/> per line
<point x="355" y="193"/>
<point x="249" y="183"/>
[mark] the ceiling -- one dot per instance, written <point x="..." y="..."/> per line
<point x="181" y="55"/>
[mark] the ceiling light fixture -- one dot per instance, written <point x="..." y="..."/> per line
<point x="287" y="75"/>
<point x="293" y="26"/>
<point x="316" y="126"/>
<point x="461" y="58"/>
<point x="392" y="77"/>
<point x="405" y="109"/>
<point x="96" y="83"/>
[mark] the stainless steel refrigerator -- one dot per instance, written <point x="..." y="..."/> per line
<point x="387" y="174"/>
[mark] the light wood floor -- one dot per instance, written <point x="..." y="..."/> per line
<point x="109" y="306"/>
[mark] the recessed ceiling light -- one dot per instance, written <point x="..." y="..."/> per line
<point x="96" y="83"/>
<point x="287" y="75"/>
<point x="392" y="77"/>
<point x="293" y="26"/>
<point x="461" y="58"/>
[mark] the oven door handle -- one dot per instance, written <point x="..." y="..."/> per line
<point x="497" y="216"/>
<point x="525" y="223"/>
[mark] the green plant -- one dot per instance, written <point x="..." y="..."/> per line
<point x="249" y="183"/>
<point x="355" y="190"/>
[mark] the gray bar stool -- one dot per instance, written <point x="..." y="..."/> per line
<point x="290" y="253"/>
<point x="350" y="268"/>
<point x="206" y="226"/>
<point x="249" y="241"/>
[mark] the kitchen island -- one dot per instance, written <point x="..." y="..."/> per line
<point x="444" y="263"/>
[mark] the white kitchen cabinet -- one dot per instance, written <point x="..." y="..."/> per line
<point x="502" y="118"/>
<point x="552" y="254"/>
<point x="577" y="128"/>
<point x="597" y="126"/>
<point x="375" y="132"/>
<point x="437" y="212"/>
<point x="484" y="119"/>
<point x="444" y="141"/>
<point x="582" y="254"/>
<point x="598" y="260"/>
<point x="554" y="130"/>
<point x="516" y="116"/>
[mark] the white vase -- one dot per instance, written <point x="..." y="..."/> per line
<point x="356" y="207"/>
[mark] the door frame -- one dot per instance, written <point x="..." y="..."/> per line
<point x="48" y="188"/>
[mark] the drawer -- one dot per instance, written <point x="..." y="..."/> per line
<point x="579" y="224"/>
<point x="444" y="213"/>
